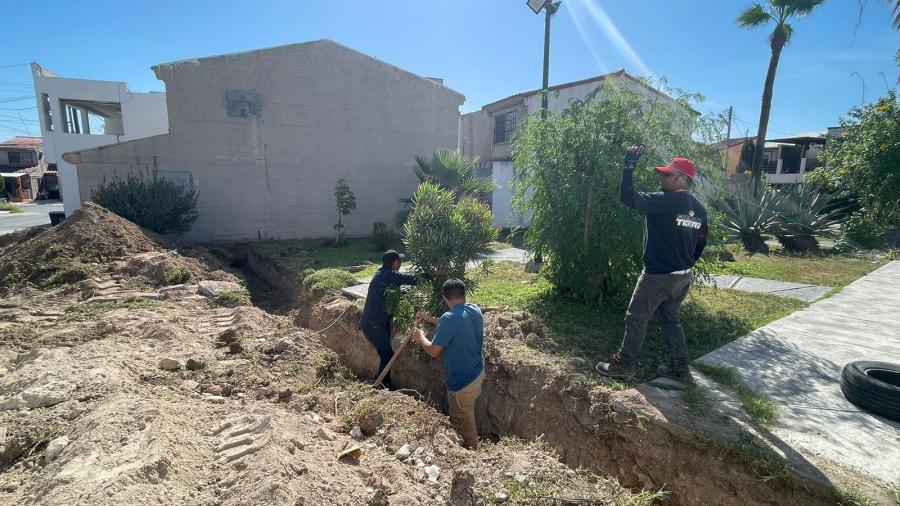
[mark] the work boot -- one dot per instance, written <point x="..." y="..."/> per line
<point x="682" y="375"/>
<point x="615" y="368"/>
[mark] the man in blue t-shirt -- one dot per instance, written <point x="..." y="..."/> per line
<point x="459" y="337"/>
<point x="675" y="230"/>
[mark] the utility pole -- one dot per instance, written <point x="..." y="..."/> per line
<point x="728" y="138"/>
<point x="550" y="7"/>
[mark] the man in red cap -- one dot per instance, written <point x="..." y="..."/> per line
<point x="674" y="237"/>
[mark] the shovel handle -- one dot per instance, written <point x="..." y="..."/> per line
<point x="390" y="364"/>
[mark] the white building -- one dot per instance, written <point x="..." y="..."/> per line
<point x="77" y="114"/>
<point x="486" y="134"/>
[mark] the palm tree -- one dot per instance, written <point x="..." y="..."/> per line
<point x="777" y="12"/>
<point x="449" y="170"/>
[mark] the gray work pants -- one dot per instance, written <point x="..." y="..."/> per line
<point x="661" y="294"/>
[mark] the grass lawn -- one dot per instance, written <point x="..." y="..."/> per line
<point x="301" y="254"/>
<point x="711" y="318"/>
<point x="11" y="208"/>
<point x="826" y="270"/>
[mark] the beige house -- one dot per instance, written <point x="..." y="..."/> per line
<point x="264" y="135"/>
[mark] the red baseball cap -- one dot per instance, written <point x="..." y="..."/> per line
<point x="681" y="165"/>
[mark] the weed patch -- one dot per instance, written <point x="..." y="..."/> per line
<point x="11" y="208"/>
<point x="761" y="410"/>
<point x="177" y="275"/>
<point x="230" y="299"/>
<point x="85" y="312"/>
<point x="319" y="282"/>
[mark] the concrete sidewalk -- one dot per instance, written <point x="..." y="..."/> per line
<point x="798" y="291"/>
<point x="797" y="361"/>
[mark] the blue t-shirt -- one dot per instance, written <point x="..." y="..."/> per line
<point x="461" y="333"/>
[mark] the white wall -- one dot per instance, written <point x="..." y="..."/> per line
<point x="501" y="206"/>
<point x="143" y="115"/>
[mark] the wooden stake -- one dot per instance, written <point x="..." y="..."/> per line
<point x="390" y="364"/>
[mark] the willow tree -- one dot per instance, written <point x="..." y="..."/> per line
<point x="568" y="170"/>
<point x="777" y="13"/>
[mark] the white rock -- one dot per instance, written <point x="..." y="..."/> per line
<point x="210" y="288"/>
<point x="357" y="434"/>
<point x="215" y="399"/>
<point x="433" y="473"/>
<point x="501" y="496"/>
<point x="326" y="434"/>
<point x="54" y="448"/>
<point x="48" y="394"/>
<point x="521" y="478"/>
<point x="419" y="462"/>
<point x="403" y="452"/>
<point x="169" y="364"/>
<point x="16" y="402"/>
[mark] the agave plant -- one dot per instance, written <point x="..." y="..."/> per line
<point x="802" y="214"/>
<point x="451" y="171"/>
<point x="748" y="214"/>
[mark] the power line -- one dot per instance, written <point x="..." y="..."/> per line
<point x="17" y="99"/>
<point x="14" y="65"/>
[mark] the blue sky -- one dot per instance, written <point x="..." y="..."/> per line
<point x="486" y="49"/>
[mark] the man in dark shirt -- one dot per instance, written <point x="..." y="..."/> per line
<point x="675" y="233"/>
<point x="376" y="321"/>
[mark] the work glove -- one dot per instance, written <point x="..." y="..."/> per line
<point x="632" y="156"/>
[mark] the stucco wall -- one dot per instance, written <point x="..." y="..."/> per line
<point x="327" y="112"/>
<point x="143" y="115"/>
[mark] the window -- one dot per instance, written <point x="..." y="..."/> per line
<point x="91" y="117"/>
<point x="21" y="158"/>
<point x="45" y="108"/>
<point x="504" y="126"/>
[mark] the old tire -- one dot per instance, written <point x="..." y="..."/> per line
<point x="874" y="387"/>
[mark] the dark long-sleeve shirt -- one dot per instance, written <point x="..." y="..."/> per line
<point x="675" y="229"/>
<point x="374" y="312"/>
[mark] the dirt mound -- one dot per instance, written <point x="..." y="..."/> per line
<point x="94" y="233"/>
<point x="94" y="240"/>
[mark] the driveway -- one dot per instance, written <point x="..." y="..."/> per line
<point x="32" y="215"/>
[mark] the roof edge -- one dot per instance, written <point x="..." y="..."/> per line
<point x="432" y="81"/>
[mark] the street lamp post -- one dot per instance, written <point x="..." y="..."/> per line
<point x="550" y="7"/>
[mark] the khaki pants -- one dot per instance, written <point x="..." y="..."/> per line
<point x="462" y="411"/>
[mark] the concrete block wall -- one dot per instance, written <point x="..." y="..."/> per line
<point x="328" y="112"/>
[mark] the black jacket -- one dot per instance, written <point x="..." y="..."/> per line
<point x="676" y="226"/>
<point x="374" y="312"/>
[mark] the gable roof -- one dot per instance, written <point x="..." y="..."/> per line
<point x="589" y="80"/>
<point x="23" y="142"/>
<point x="207" y="59"/>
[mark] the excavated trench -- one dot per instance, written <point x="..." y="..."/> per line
<point x="616" y="433"/>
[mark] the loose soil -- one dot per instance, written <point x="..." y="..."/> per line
<point x="117" y="389"/>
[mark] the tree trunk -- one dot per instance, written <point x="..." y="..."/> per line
<point x="778" y="40"/>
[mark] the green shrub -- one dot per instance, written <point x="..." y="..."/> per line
<point x="861" y="231"/>
<point x="345" y="202"/>
<point x="862" y="166"/>
<point x="154" y="203"/>
<point x="11" y="208"/>
<point x="382" y="237"/>
<point x="445" y="234"/>
<point x="568" y="169"/>
<point x="177" y="275"/>
<point x="324" y="280"/>
<point x="231" y="299"/>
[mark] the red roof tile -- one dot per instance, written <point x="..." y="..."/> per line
<point x="23" y="142"/>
